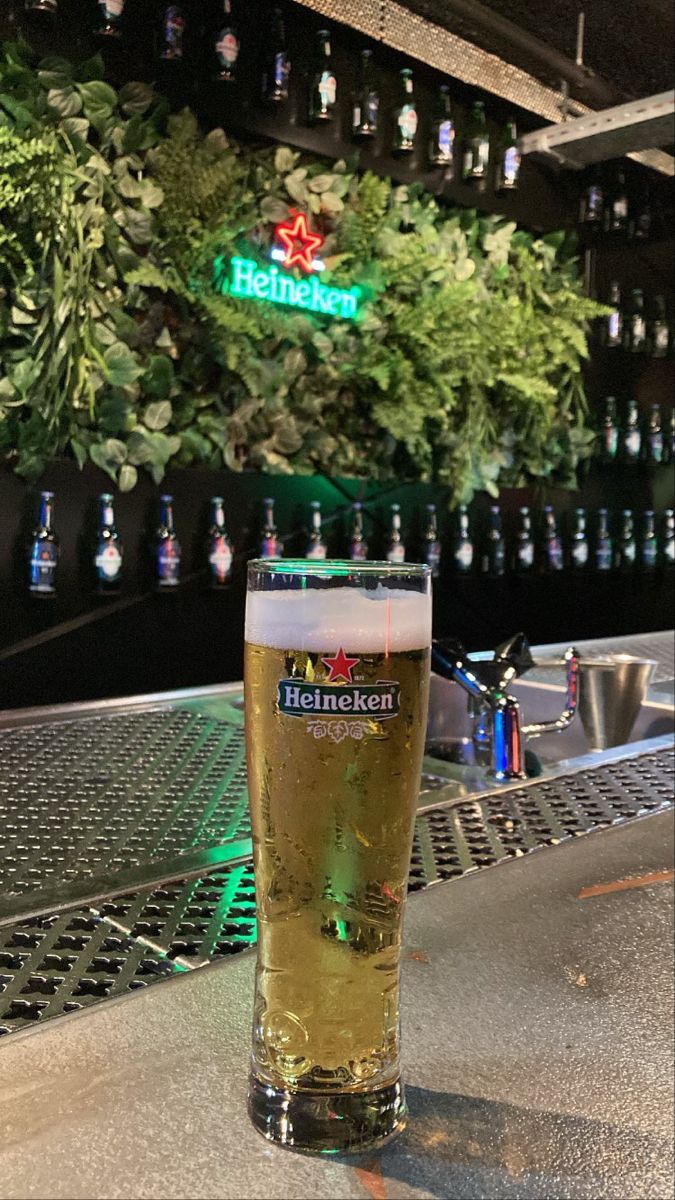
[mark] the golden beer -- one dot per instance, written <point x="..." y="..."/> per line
<point x="336" y="705"/>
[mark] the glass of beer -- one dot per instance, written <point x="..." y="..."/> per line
<point x="337" y="682"/>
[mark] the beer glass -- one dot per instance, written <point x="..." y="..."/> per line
<point x="337" y="682"/>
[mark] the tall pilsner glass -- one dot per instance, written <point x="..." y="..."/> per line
<point x="337" y="681"/>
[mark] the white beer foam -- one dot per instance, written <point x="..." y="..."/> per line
<point x="370" y="622"/>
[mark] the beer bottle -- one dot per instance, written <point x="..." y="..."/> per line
<point x="172" y="33"/>
<point x="44" y="551"/>
<point x="277" y="71"/>
<point x="442" y="144"/>
<point x="406" y="115"/>
<point x="627" y="549"/>
<point x="635" y="333"/>
<point x="494" y="558"/>
<point x="552" y="550"/>
<point x="669" y="447"/>
<point x="270" y="542"/>
<point x="462" y="545"/>
<point x="219" y="546"/>
<point x="167" y="548"/>
<point x="366" y="110"/>
<point x="323" y="91"/>
<point x="643" y="219"/>
<point x="316" y="546"/>
<point x="610" y="431"/>
<point x="358" y="546"/>
<point x="109" y="551"/>
<point x="508" y="170"/>
<point x="632" y="435"/>
<point x="614" y="328"/>
<point x="649" y="546"/>
<point x="579" y="541"/>
<point x="396" y="545"/>
<point x="616" y="210"/>
<point x="524" y="555"/>
<point x="659" y="330"/>
<point x="477" y="148"/>
<point x="669" y="538"/>
<point x="592" y="204"/>
<point x="655" y="439"/>
<point x="111" y="13"/>
<point x="227" y="46"/>
<point x="432" y="544"/>
<point x="604" y="548"/>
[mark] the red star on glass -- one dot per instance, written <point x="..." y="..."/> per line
<point x="340" y="667"/>
<point x="300" y="245"/>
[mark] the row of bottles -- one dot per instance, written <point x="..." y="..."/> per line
<point x="614" y="205"/>
<point x="635" y="439"/>
<point x="491" y="553"/>
<point x="637" y="324"/>
<point x="473" y="163"/>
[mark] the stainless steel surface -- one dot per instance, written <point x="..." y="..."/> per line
<point x="659" y="646"/>
<point x="600" y="136"/>
<point x="537" y="1049"/>
<point x="613" y="691"/>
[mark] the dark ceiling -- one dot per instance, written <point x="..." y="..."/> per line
<point x="629" y="43"/>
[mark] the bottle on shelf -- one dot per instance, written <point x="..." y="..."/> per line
<point x="635" y="324"/>
<point x="442" y="143"/>
<point x="316" y="547"/>
<point x="616" y="206"/>
<point x="626" y="550"/>
<point x="395" y="545"/>
<point x="649" y="544"/>
<point x="659" y="329"/>
<point x="271" y="546"/>
<point x="669" y="447"/>
<point x="610" y="431"/>
<point x="227" y="45"/>
<point x="604" y="546"/>
<point x="323" y="89"/>
<point x="632" y="434"/>
<point x="654" y="441"/>
<point x="508" y="168"/>
<point x="668" y="546"/>
<point x="524" y="556"/>
<point x="477" y="147"/>
<point x="358" y="546"/>
<point x="110" y="14"/>
<point x="614" y="323"/>
<point x="579" y="552"/>
<point x="219" y="547"/>
<point x="592" y="204"/>
<point x="172" y="33"/>
<point x="552" y="559"/>
<point x="406" y="115"/>
<point x="51" y="7"/>
<point x="643" y="216"/>
<point x="277" y="72"/>
<point x="462" y="544"/>
<point x="167" y="548"/>
<point x="109" y="551"/>
<point x="43" y="557"/>
<point x="494" y="557"/>
<point x="432" y="544"/>
<point x="366" y="110"/>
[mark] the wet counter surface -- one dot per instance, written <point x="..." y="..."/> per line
<point x="538" y="1030"/>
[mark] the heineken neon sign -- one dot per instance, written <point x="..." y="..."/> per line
<point x="247" y="279"/>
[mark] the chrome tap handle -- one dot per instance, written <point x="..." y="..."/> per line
<point x="571" y="660"/>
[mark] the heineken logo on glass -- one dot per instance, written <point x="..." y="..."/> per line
<point x="339" y="697"/>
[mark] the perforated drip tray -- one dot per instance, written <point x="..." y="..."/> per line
<point x="159" y="793"/>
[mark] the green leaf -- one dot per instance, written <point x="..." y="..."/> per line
<point x="97" y="96"/>
<point x="136" y="98"/>
<point x="65" y="101"/>
<point x="121" y="366"/>
<point x="157" y="415"/>
<point x="127" y="478"/>
<point x="158" y="379"/>
<point x="274" y="210"/>
<point x="284" y="160"/>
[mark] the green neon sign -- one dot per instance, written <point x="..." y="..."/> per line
<point x="248" y="280"/>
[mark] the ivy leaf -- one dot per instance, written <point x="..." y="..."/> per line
<point x="65" y="101"/>
<point x="76" y="127"/>
<point x="136" y="98"/>
<point x="127" y="478"/>
<point x="331" y="204"/>
<point x="139" y="447"/>
<point x="97" y="95"/>
<point x="158" y="381"/>
<point x="138" y="225"/>
<point x="274" y="210"/>
<point x="158" y="415"/>
<point x="321" y="183"/>
<point x="121" y="367"/>
<point x="284" y="160"/>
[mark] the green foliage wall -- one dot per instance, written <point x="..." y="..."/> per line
<point x="465" y="366"/>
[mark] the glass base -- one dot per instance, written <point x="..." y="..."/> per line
<point x="327" y="1122"/>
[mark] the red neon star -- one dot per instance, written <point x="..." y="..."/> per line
<point x="299" y="243"/>
<point x="340" y="667"/>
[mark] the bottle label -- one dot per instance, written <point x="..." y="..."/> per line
<point x="317" y="553"/>
<point x="661" y="336"/>
<point x="227" y="48"/>
<point x="111" y="9"/>
<point x="555" y="554"/>
<point x="407" y="122"/>
<point x="476" y="158"/>
<point x="108" y="562"/>
<point x="396" y="554"/>
<point x="511" y="166"/>
<point x="168" y="564"/>
<point x="669" y="550"/>
<point x="639" y="330"/>
<point x="498" y="560"/>
<point x="603" y="557"/>
<point x="43" y="562"/>
<point x="650" y="552"/>
<point x="464" y="556"/>
<point x="656" y="447"/>
<point x="270" y="548"/>
<point x="633" y="442"/>
<point x="372" y="110"/>
<point x="328" y="89"/>
<point x="620" y="210"/>
<point x="611" y="441"/>
<point x="580" y="554"/>
<point x="281" y="71"/>
<point x="614" y="328"/>
<point x="358" y="552"/>
<point x="433" y="557"/>
<point x="174" y="28"/>
<point x="526" y="555"/>
<point x="594" y="202"/>
<point x="220" y="559"/>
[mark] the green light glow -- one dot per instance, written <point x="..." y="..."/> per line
<point x="248" y="280"/>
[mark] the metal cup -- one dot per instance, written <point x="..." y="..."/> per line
<point x="612" y="692"/>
